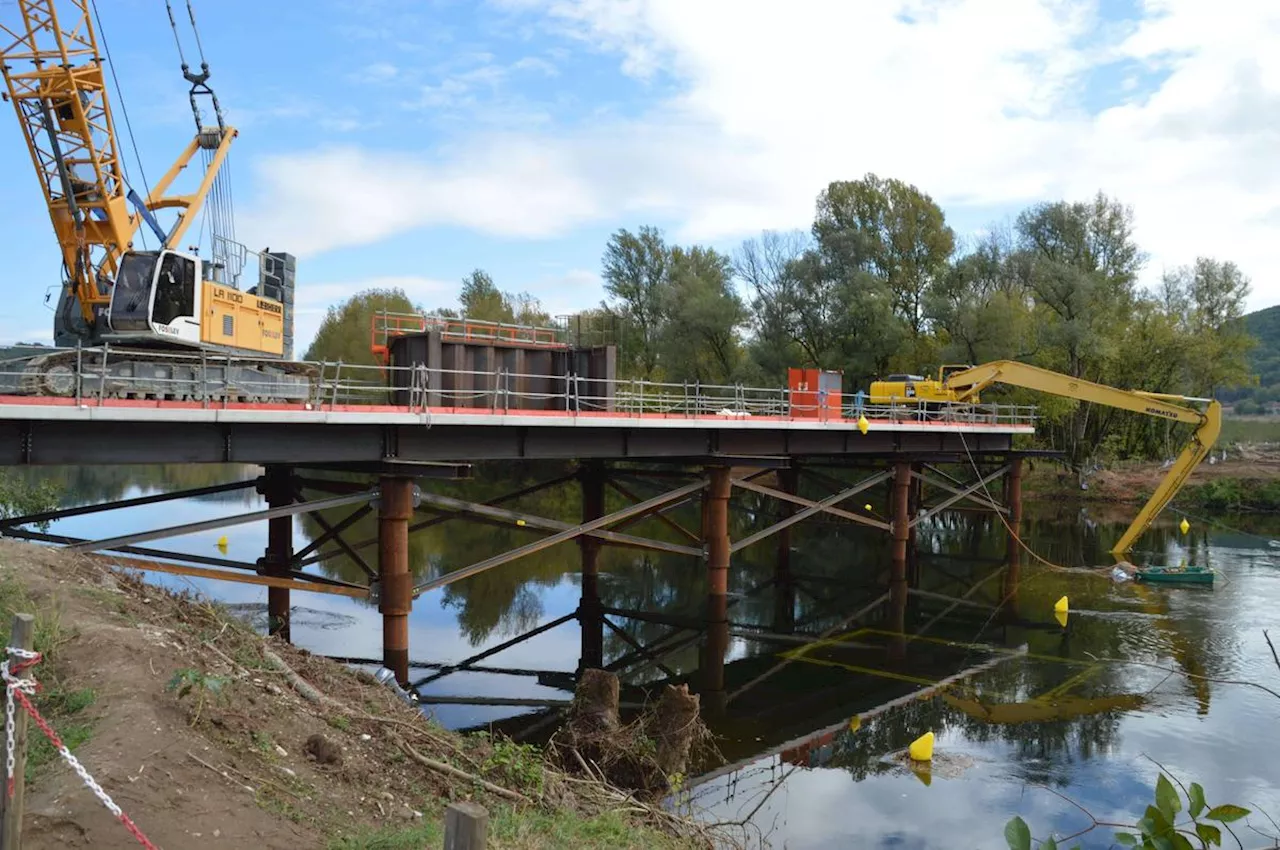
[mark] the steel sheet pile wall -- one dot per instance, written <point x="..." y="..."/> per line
<point x="504" y="375"/>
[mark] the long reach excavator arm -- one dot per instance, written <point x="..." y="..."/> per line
<point x="1207" y="422"/>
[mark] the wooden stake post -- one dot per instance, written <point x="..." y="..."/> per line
<point x="22" y="636"/>
<point x="466" y="826"/>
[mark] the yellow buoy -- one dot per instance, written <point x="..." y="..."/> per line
<point x="855" y="723"/>
<point x="868" y="507"/>
<point x="222" y="543"/>
<point x="921" y="748"/>
<point x="863" y="424"/>
<point x="1185" y="526"/>
<point x="519" y="522"/>
<point x="1061" y="605"/>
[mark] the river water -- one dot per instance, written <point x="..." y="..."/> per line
<point x="1042" y="720"/>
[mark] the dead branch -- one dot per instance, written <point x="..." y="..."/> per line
<point x="451" y="771"/>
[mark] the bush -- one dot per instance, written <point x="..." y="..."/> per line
<point x="20" y="497"/>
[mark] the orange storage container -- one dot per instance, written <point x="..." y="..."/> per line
<point x="815" y="393"/>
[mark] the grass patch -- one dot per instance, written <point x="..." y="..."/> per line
<point x="63" y="706"/>
<point x="426" y="834"/>
<point x="1259" y="429"/>
<point x="525" y="829"/>
<point x="1234" y="494"/>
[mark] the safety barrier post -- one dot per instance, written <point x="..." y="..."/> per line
<point x="21" y="636"/>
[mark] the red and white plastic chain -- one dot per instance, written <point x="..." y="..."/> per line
<point x="20" y="689"/>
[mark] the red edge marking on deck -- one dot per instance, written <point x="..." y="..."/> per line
<point x="152" y="404"/>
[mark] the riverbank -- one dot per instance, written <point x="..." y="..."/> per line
<point x="1248" y="480"/>
<point x="207" y="735"/>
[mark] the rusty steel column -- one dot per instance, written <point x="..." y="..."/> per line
<point x="1013" y="550"/>
<point x="913" y="509"/>
<point x="590" y="615"/>
<point x="784" y="590"/>
<point x="715" y="536"/>
<point x="900" y="507"/>
<point x="395" y="583"/>
<point x="277" y="487"/>
<point x="715" y="530"/>
<point x="711" y="692"/>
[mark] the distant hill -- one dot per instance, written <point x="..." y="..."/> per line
<point x="1264" y="361"/>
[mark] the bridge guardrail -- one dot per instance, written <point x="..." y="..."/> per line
<point x="101" y="373"/>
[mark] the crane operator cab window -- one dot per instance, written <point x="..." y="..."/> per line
<point x="175" y="289"/>
<point x="131" y="295"/>
<point x="152" y="286"/>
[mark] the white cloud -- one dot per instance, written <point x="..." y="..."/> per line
<point x="378" y="72"/>
<point x="978" y="102"/>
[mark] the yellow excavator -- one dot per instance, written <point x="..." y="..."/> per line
<point x="966" y="384"/>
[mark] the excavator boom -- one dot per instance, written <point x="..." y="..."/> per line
<point x="1207" y="422"/>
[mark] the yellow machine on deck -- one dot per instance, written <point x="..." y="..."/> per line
<point x="916" y="388"/>
<point x="54" y="74"/>
<point x="966" y="384"/>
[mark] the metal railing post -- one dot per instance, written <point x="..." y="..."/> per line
<point x="79" y="371"/>
<point x="102" y="375"/>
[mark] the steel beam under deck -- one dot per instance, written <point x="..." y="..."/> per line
<point x="221" y="522"/>
<point x="966" y="493"/>
<point x="460" y="506"/>
<point x="960" y="489"/>
<point x="152" y="499"/>
<point x="813" y="508"/>
<point x="71" y="441"/>
<point x="568" y="534"/>
<point x="437" y="520"/>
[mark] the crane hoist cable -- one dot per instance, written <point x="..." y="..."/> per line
<point x="219" y="213"/>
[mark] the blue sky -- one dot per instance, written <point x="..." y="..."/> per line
<point x="389" y="142"/>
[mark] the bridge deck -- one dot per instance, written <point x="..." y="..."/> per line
<point x="65" y="431"/>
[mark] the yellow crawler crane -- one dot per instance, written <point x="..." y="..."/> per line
<point x="139" y="302"/>
<point x="1207" y="422"/>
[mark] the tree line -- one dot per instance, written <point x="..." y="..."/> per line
<point x="881" y="283"/>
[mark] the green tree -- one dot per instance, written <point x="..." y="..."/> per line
<point x="1083" y="265"/>
<point x="703" y="316"/>
<point x="764" y="265"/>
<point x="345" y="333"/>
<point x="981" y="309"/>
<point x="635" y="271"/>
<point x="888" y="229"/>
<point x="482" y="300"/>
<point x="1208" y="299"/>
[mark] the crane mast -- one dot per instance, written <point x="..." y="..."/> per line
<point x="54" y="78"/>
<point x="66" y="119"/>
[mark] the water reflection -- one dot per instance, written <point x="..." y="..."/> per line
<point x="1133" y="672"/>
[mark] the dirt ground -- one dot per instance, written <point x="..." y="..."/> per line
<point x="1134" y="482"/>
<point x="203" y="744"/>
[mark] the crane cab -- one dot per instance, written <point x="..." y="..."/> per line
<point x="162" y="296"/>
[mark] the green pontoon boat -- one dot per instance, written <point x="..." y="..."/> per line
<point x="1175" y="575"/>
